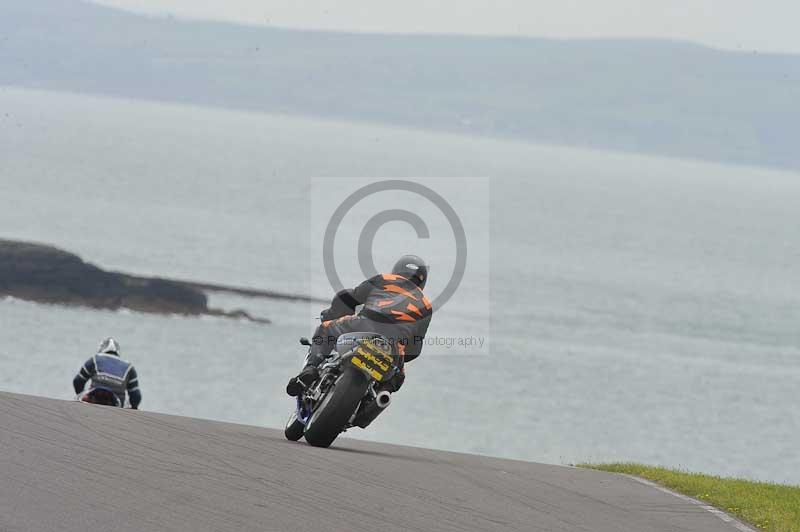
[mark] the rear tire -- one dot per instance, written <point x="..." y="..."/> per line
<point x="294" y="429"/>
<point x="336" y="409"/>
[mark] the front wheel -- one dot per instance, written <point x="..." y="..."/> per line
<point x="331" y="416"/>
<point x="294" y="428"/>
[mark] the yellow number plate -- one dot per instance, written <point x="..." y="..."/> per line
<point x="373" y="360"/>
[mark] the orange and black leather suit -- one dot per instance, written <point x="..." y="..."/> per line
<point x="392" y="306"/>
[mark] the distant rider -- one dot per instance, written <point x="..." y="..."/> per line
<point x="111" y="376"/>
<point x="394" y="306"/>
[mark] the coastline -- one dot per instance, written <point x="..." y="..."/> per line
<point x="43" y="273"/>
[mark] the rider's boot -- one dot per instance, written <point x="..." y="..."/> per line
<point x="299" y="383"/>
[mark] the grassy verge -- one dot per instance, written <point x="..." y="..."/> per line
<point x="771" y="507"/>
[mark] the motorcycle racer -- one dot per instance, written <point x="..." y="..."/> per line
<point x="394" y="306"/>
<point x="111" y="376"/>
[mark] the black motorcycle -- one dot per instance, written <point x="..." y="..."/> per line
<point x="351" y="391"/>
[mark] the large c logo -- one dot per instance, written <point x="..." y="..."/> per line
<point x="367" y="237"/>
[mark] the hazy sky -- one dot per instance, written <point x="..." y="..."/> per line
<point x="770" y="25"/>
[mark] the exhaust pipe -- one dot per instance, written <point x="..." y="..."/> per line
<point x="383" y="399"/>
<point x="373" y="409"/>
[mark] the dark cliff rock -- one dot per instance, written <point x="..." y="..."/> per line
<point x="42" y="273"/>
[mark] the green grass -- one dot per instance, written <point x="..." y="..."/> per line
<point x="771" y="507"/>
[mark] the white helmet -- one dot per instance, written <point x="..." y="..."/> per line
<point x="110" y="346"/>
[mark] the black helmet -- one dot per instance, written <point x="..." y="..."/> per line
<point x="412" y="268"/>
<point x="109" y="347"/>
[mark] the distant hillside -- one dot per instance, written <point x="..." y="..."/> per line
<point x="647" y="96"/>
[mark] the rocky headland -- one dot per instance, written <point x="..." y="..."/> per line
<point x="47" y="274"/>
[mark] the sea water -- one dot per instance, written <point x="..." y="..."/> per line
<point x="634" y="308"/>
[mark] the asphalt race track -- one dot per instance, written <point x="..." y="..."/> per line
<point x="72" y="467"/>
